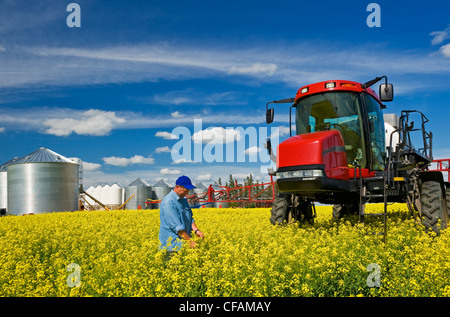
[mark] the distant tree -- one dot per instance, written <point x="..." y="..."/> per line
<point x="248" y="180"/>
<point x="231" y="182"/>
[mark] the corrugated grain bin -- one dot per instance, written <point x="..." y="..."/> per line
<point x="202" y="192"/>
<point x="160" y="189"/>
<point x="141" y="190"/>
<point x="42" y="181"/>
<point x="219" y="195"/>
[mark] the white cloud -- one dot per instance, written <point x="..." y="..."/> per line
<point x="2" y="129"/>
<point x="90" y="122"/>
<point x="242" y="176"/>
<point x="255" y="69"/>
<point x="166" y="135"/>
<point x="280" y="131"/>
<point x="440" y="36"/>
<point x="64" y="66"/>
<point x="252" y="151"/>
<point x="122" y="161"/>
<point x="182" y="160"/>
<point x="216" y="135"/>
<point x="17" y="119"/>
<point x="168" y="171"/>
<point x="176" y="115"/>
<point x="91" y="166"/>
<point x="204" y="177"/>
<point x="445" y="50"/>
<point x="163" y="149"/>
<point x="197" y="97"/>
<point x="87" y="167"/>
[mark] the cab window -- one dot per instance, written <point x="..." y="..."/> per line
<point x="377" y="138"/>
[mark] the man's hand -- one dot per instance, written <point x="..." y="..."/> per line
<point x="200" y="234"/>
<point x="182" y="234"/>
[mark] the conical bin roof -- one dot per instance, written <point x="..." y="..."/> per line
<point x="43" y="155"/>
<point x="200" y="186"/>
<point x="138" y="182"/>
<point x="4" y="166"/>
<point x="161" y="183"/>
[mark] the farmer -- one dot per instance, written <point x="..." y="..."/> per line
<point x="176" y="218"/>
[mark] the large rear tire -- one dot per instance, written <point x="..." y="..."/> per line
<point x="434" y="206"/>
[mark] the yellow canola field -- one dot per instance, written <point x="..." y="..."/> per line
<point x="117" y="254"/>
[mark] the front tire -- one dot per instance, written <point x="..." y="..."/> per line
<point x="279" y="212"/>
<point x="342" y="210"/>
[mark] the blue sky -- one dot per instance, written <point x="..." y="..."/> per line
<point x="113" y="90"/>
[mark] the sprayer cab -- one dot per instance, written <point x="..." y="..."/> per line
<point x="339" y="126"/>
<point x="343" y="153"/>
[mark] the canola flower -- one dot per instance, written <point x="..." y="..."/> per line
<point x="242" y="255"/>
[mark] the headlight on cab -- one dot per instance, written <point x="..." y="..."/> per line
<point x="300" y="173"/>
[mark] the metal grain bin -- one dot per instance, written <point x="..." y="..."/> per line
<point x="141" y="190"/>
<point x="42" y="181"/>
<point x="160" y="189"/>
<point x="201" y="194"/>
<point x="4" y="185"/>
<point x="218" y="197"/>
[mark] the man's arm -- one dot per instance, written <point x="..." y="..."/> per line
<point x="183" y="235"/>
<point x="197" y="231"/>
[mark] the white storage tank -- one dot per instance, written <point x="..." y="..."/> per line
<point x="90" y="191"/>
<point x="3" y="191"/>
<point x="115" y="196"/>
<point x="98" y="194"/>
<point x="42" y="181"/>
<point x="391" y="123"/>
<point x="4" y="185"/>
<point x="105" y="195"/>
